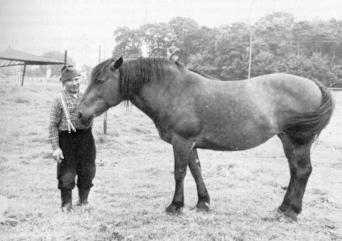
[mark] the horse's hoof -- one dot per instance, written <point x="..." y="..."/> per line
<point x="173" y="209"/>
<point x="289" y="213"/>
<point x="79" y="204"/>
<point x="203" y="206"/>
<point x="67" y="208"/>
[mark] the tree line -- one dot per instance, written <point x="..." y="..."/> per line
<point x="312" y="49"/>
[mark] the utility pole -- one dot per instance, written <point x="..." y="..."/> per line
<point x="250" y="53"/>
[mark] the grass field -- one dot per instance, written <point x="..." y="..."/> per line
<point x="134" y="182"/>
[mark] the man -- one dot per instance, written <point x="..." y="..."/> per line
<point x="72" y="143"/>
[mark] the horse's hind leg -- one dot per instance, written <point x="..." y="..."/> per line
<point x="203" y="196"/>
<point x="298" y="156"/>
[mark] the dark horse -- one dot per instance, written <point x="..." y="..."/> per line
<point x="191" y="110"/>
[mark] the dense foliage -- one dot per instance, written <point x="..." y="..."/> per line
<point x="280" y="44"/>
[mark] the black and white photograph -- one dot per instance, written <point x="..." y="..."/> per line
<point x="170" y="120"/>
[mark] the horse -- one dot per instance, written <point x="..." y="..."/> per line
<point x="194" y="111"/>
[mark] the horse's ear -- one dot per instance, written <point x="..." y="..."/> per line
<point x="118" y="63"/>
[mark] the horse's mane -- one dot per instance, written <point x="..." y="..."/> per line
<point x="98" y="69"/>
<point x="135" y="73"/>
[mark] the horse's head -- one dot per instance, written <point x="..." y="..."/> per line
<point x="102" y="92"/>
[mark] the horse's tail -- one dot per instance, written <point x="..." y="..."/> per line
<point x="304" y="128"/>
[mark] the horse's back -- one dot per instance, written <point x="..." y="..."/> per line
<point x="229" y="118"/>
<point x="236" y="115"/>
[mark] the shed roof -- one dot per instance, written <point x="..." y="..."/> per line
<point x="16" y="57"/>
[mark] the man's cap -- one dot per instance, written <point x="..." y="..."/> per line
<point x="68" y="73"/>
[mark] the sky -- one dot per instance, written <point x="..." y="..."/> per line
<point x="81" y="26"/>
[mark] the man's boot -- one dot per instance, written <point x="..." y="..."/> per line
<point x="83" y="196"/>
<point x="66" y="196"/>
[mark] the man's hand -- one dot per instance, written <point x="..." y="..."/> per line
<point x="58" y="155"/>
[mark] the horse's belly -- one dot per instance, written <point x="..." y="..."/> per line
<point x="235" y="141"/>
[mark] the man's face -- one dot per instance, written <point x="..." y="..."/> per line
<point x="72" y="85"/>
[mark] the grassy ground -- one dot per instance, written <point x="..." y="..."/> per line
<point x="134" y="182"/>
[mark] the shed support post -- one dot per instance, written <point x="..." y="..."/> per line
<point x="23" y="76"/>
<point x="65" y="57"/>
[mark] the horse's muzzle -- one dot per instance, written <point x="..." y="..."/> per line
<point x="85" y="120"/>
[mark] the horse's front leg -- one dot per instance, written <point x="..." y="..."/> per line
<point x="203" y="203"/>
<point x="182" y="153"/>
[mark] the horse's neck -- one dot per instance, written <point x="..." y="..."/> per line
<point x="142" y="105"/>
<point x="152" y="97"/>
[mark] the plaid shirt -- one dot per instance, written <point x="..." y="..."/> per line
<point x="58" y="121"/>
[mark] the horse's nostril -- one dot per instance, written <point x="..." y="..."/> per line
<point x="79" y="115"/>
